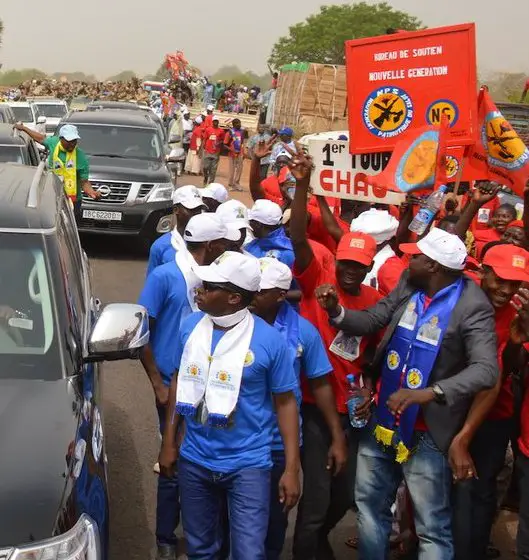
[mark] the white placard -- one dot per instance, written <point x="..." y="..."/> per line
<point x="339" y="174"/>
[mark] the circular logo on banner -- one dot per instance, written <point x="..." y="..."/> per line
<point x="452" y="166"/>
<point x="441" y="107"/>
<point x="504" y="146"/>
<point x="388" y="112"/>
<point x="416" y="168"/>
<point x="413" y="378"/>
<point x="393" y="360"/>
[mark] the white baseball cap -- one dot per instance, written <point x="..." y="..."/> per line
<point x="379" y="224"/>
<point x="188" y="196"/>
<point x="274" y="274"/>
<point x="69" y="132"/>
<point x="210" y="107"/>
<point x="215" y="118"/>
<point x="208" y="227"/>
<point x="240" y="270"/>
<point x="266" y="212"/>
<point x="216" y="191"/>
<point x="445" y="248"/>
<point x="234" y="212"/>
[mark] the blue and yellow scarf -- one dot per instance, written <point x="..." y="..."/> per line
<point x="409" y="361"/>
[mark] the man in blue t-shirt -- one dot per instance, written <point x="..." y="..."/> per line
<point x="168" y="296"/>
<point x="187" y="202"/>
<point x="232" y="372"/>
<point x="270" y="238"/>
<point x="307" y="352"/>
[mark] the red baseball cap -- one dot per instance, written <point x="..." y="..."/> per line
<point x="509" y="262"/>
<point x="516" y="223"/>
<point x="358" y="247"/>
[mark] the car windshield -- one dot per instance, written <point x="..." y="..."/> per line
<point x="23" y="114"/>
<point x="28" y="338"/>
<point x="51" y="110"/>
<point x="10" y="153"/>
<point x="120" y="141"/>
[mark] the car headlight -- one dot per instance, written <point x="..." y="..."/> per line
<point x="79" y="543"/>
<point x="161" y="192"/>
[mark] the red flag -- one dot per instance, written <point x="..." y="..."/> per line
<point x="418" y="161"/>
<point x="500" y="154"/>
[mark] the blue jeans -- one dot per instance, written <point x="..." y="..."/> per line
<point x="203" y="495"/>
<point x="167" y="501"/>
<point x="428" y="477"/>
<point x="278" y="520"/>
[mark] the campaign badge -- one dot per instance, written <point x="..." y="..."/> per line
<point x="452" y="166"/>
<point x="388" y="112"/>
<point x="414" y="378"/>
<point x="393" y="360"/>
<point x="504" y="147"/>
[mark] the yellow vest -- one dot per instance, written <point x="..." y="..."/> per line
<point x="67" y="173"/>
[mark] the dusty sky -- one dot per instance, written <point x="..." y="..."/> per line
<point x="115" y="35"/>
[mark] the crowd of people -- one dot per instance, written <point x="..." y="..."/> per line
<point x="317" y="335"/>
<point x="323" y="336"/>
<point x="131" y="90"/>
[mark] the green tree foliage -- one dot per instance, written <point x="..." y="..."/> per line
<point x="232" y="73"/>
<point x="504" y="86"/>
<point x="124" y="76"/>
<point x="320" y="38"/>
<point x="1" y="31"/>
<point x="74" y="76"/>
<point x="16" y="77"/>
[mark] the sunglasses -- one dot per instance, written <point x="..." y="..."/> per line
<point x="213" y="287"/>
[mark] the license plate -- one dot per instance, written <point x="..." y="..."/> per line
<point x="102" y="215"/>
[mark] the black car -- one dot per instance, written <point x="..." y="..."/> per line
<point x="17" y="147"/>
<point x="53" y="496"/>
<point x="112" y="105"/>
<point x="127" y="166"/>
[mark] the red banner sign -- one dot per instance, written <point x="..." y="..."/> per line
<point x="396" y="83"/>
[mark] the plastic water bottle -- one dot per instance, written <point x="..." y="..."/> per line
<point x="354" y="398"/>
<point x="427" y="213"/>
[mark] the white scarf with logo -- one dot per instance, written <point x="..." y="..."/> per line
<point x="214" y="378"/>
<point x="380" y="259"/>
<point x="177" y="241"/>
<point x="186" y="263"/>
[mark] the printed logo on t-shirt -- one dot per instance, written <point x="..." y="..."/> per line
<point x="249" y="359"/>
<point x="483" y="215"/>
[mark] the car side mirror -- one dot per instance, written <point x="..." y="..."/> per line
<point x="41" y="120"/>
<point x="175" y="138"/>
<point x="120" y="332"/>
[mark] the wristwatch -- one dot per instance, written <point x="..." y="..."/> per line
<point x="438" y="394"/>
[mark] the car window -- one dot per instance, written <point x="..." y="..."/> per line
<point x="23" y="114"/>
<point x="28" y="340"/>
<point x="73" y="267"/>
<point x="120" y="141"/>
<point x="12" y="153"/>
<point x="51" y="110"/>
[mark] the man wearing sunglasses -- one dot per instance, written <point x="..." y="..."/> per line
<point x="169" y="297"/>
<point x="232" y="373"/>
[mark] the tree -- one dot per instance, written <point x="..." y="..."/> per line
<point x="124" y="76"/>
<point x="16" y="77"/>
<point x="320" y="38"/>
<point x="1" y="31"/>
<point x="74" y="76"/>
<point x="232" y="73"/>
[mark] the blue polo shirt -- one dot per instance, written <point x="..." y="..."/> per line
<point x="164" y="295"/>
<point x="161" y="252"/>
<point x="276" y="245"/>
<point x="310" y="359"/>
<point x="247" y="442"/>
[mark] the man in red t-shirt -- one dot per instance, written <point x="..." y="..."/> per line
<point x="481" y="444"/>
<point x="326" y="499"/>
<point x="213" y="137"/>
